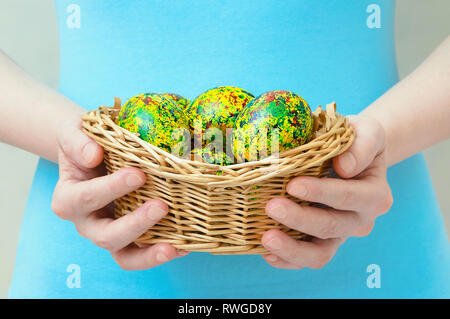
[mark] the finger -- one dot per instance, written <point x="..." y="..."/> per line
<point x="133" y="258"/>
<point x="277" y="262"/>
<point x="142" y="245"/>
<point x="182" y="253"/>
<point x="319" y="222"/>
<point x="368" y="143"/>
<point x="355" y="195"/>
<point x="78" y="147"/>
<point x="315" y="254"/>
<point x="68" y="171"/>
<point x="115" y="234"/>
<point x="96" y="193"/>
<point x="378" y="168"/>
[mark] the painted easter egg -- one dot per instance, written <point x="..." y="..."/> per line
<point x="181" y="101"/>
<point x="157" y="119"/>
<point x="281" y="116"/>
<point x="215" y="110"/>
<point x="211" y="156"/>
<point x="218" y="107"/>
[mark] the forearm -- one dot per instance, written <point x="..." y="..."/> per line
<point x="415" y="113"/>
<point x="31" y="112"/>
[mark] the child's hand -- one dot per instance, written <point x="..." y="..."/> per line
<point x="83" y="195"/>
<point x="354" y="203"/>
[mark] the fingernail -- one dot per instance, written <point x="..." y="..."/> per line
<point x="274" y="243"/>
<point x="183" y="252"/>
<point x="298" y="190"/>
<point x="161" y="258"/>
<point x="89" y="152"/>
<point x="272" y="258"/>
<point x="347" y="162"/>
<point x="155" y="212"/>
<point x="134" y="180"/>
<point x="278" y="211"/>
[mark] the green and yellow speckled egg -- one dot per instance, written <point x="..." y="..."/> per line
<point x="181" y="101"/>
<point x="281" y="114"/>
<point x="214" y="111"/>
<point x="218" y="107"/>
<point x="208" y="156"/>
<point x="157" y="119"/>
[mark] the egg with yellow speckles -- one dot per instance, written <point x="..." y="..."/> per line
<point x="211" y="156"/>
<point x="215" y="111"/>
<point x="218" y="107"/>
<point x="181" y="101"/>
<point x="157" y="119"/>
<point x="273" y="122"/>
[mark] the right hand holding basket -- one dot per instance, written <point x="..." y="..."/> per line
<point x="83" y="194"/>
<point x="353" y="203"/>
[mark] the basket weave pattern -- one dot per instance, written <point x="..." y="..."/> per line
<point x="210" y="212"/>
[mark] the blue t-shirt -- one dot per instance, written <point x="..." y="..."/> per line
<point x="325" y="51"/>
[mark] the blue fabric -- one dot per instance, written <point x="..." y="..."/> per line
<point x="322" y="50"/>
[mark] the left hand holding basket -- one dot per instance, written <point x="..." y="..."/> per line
<point x="352" y="203"/>
<point x="83" y="195"/>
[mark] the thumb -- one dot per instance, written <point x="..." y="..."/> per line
<point x="77" y="146"/>
<point x="368" y="143"/>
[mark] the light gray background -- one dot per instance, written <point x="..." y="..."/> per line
<point x="28" y="33"/>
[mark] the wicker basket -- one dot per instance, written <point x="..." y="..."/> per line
<point x="209" y="212"/>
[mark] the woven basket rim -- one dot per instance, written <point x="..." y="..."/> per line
<point x="202" y="172"/>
